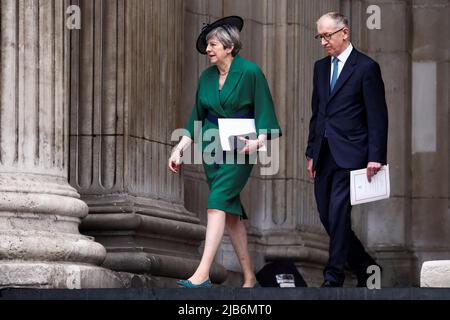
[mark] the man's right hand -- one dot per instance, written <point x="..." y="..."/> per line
<point x="312" y="174"/>
<point x="174" y="162"/>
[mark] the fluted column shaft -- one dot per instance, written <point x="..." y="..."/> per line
<point x="39" y="211"/>
<point x="125" y="86"/>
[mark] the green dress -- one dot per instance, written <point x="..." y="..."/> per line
<point x="244" y="91"/>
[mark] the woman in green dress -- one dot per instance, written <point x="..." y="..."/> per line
<point x="232" y="87"/>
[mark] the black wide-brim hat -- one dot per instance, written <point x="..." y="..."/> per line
<point x="234" y="21"/>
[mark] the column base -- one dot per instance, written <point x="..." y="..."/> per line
<point x="147" y="265"/>
<point x="45" y="275"/>
<point x="398" y="265"/>
<point x="148" y="238"/>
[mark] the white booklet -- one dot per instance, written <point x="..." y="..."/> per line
<point x="230" y="129"/>
<point x="362" y="191"/>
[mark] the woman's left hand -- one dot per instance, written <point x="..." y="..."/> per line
<point x="250" y="145"/>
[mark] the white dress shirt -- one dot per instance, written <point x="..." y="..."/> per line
<point x="342" y="58"/>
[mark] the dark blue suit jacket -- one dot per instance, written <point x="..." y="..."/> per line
<point x="354" y="115"/>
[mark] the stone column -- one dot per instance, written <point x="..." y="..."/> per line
<point x="430" y="219"/>
<point x="384" y="226"/>
<point x="125" y="87"/>
<point x="40" y="245"/>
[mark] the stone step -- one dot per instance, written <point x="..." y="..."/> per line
<point x="256" y="294"/>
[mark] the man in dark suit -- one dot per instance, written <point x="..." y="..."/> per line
<point x="348" y="130"/>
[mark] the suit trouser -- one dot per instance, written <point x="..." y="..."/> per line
<point x="332" y="192"/>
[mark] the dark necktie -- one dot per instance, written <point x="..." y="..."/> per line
<point x="335" y="74"/>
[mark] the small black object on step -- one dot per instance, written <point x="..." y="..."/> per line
<point x="281" y="274"/>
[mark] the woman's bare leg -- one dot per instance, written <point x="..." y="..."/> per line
<point x="238" y="235"/>
<point x="214" y="233"/>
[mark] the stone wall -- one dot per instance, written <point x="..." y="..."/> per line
<point x="430" y="79"/>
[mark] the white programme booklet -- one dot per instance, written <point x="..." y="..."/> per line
<point x="362" y="191"/>
<point x="235" y="127"/>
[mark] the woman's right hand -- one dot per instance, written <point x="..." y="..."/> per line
<point x="174" y="162"/>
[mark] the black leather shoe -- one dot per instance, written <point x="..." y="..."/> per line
<point x="330" y="284"/>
